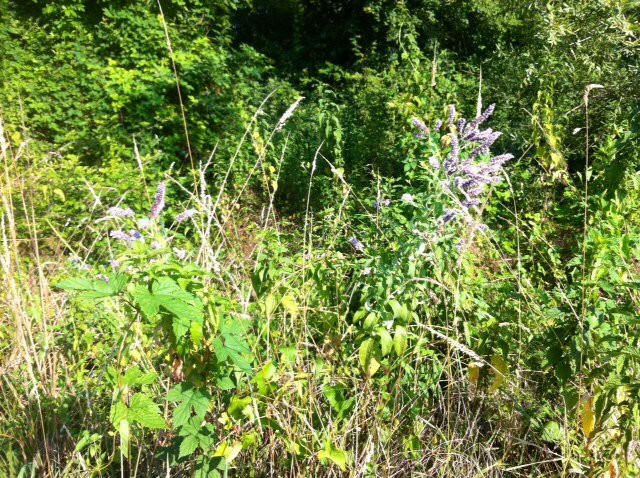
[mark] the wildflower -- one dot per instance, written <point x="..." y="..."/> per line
<point x="287" y="114"/>
<point x="434" y="163"/>
<point x="144" y="223"/>
<point x="158" y="205"/>
<point x="119" y="212"/>
<point x="136" y="236"/>
<point x="103" y="277"/>
<point x="366" y="271"/>
<point x="120" y="235"/>
<point x="408" y="198"/>
<point x="155" y="245"/>
<point x="421" y="126"/>
<point x="438" y="125"/>
<point x="183" y="216"/>
<point x="357" y="245"/>
<point x="382" y="203"/>
<point x="449" y="216"/>
<point x="114" y="264"/>
<point x="480" y="119"/>
<point x="180" y="253"/>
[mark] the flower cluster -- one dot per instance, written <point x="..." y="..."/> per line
<point x="158" y="204"/>
<point x="120" y="212"/>
<point x="129" y="238"/>
<point x="468" y="167"/>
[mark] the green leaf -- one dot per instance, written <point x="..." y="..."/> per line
<point x="188" y="446"/>
<point x="336" y="455"/>
<point x="386" y="342"/>
<point x="400" y="341"/>
<point x="191" y="400"/>
<point x="168" y="295"/>
<point x="366" y="355"/>
<point x="145" y="412"/>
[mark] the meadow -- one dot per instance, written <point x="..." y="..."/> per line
<point x="268" y="238"/>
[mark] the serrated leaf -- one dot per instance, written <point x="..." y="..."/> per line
<point x="145" y="412"/>
<point x="188" y="445"/>
<point x="168" y="295"/>
<point x="191" y="400"/>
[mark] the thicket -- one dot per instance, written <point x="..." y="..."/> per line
<point x="259" y="237"/>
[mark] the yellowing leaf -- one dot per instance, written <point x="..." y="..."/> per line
<point x="588" y="417"/>
<point x="500" y="371"/>
<point x="229" y="452"/>
<point x="58" y="192"/>
<point x="290" y="305"/>
<point x="474" y="375"/>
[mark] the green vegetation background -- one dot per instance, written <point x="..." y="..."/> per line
<point x="96" y="91"/>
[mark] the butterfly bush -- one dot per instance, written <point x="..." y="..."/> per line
<point x="468" y="170"/>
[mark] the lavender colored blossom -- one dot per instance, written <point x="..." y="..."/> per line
<point x="357" y="245"/>
<point x="480" y="119"/>
<point x="449" y="216"/>
<point x="181" y="254"/>
<point x="434" y="163"/>
<point x="103" y="277"/>
<point x="461" y="124"/>
<point x="158" y="204"/>
<point x="120" y="212"/>
<point x="420" y="125"/>
<point x="120" y="235"/>
<point x="144" y="223"/>
<point x="438" y="125"/>
<point x="114" y="264"/>
<point x="470" y="203"/>
<point x="155" y="245"/>
<point x="366" y="271"/>
<point x="183" y="216"/>
<point x="408" y="198"/>
<point x="381" y="203"/>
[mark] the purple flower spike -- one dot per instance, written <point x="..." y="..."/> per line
<point x="438" y="125"/>
<point x="357" y="245"/>
<point x="449" y="216"/>
<point x="121" y="235"/>
<point x="434" y="163"/>
<point x="183" y="216"/>
<point x="452" y="114"/>
<point x="480" y="119"/>
<point x="120" y="212"/>
<point x="420" y="125"/>
<point x="158" y="205"/>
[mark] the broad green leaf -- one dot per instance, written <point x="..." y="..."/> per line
<point x="143" y="411"/>
<point x="400" y="341"/>
<point x="552" y="433"/>
<point x="366" y="355"/>
<point x="336" y="455"/>
<point x="188" y="446"/>
<point x="290" y="304"/>
<point x="168" y="295"/>
<point x="386" y="342"/>
<point x="191" y="401"/>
